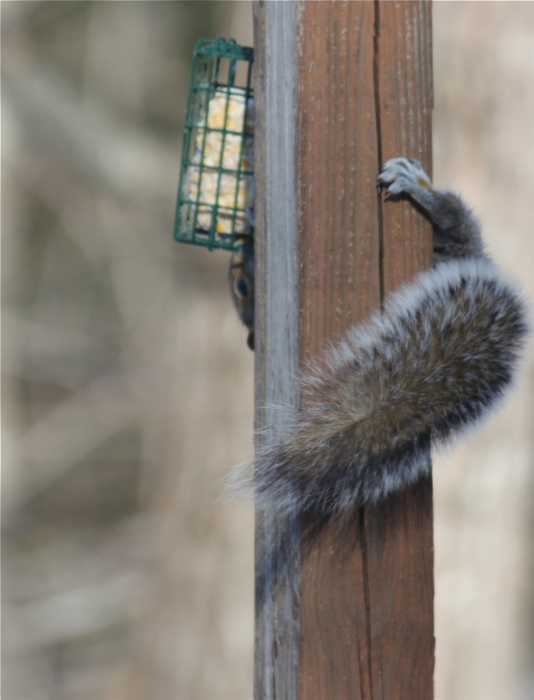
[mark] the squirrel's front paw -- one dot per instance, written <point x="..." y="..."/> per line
<point x="403" y="175"/>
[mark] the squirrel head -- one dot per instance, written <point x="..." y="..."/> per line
<point x="241" y="280"/>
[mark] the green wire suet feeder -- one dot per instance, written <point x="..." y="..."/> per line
<point x="216" y="189"/>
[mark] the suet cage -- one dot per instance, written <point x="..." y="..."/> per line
<point x="216" y="189"/>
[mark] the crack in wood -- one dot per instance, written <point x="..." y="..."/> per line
<point x="376" y="78"/>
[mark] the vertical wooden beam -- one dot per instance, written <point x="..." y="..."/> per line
<point x="365" y="90"/>
<point x="340" y="88"/>
<point x="339" y="286"/>
<point x="276" y="337"/>
<point x="397" y="537"/>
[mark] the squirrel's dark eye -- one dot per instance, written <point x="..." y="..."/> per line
<point x="241" y="287"/>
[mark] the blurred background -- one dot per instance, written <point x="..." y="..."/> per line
<point x="128" y="386"/>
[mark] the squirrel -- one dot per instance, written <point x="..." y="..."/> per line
<point x="438" y="357"/>
<point x="241" y="279"/>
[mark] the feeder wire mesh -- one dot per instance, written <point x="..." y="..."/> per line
<point x="216" y="189"/>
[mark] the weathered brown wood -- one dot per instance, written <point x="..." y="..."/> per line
<point x="405" y="91"/>
<point x="364" y="96"/>
<point x="398" y="536"/>
<point x="337" y="162"/>
<point x="339" y="285"/>
<point x="398" y="549"/>
<point x="276" y="338"/>
<point x="362" y="72"/>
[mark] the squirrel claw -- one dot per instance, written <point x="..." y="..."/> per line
<point x="402" y="175"/>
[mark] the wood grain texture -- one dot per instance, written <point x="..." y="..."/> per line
<point x="337" y="162"/>
<point x="399" y="536"/>
<point x="276" y="338"/>
<point x="405" y="92"/>
<point x="398" y="547"/>
<point x="339" y="285"/>
<point x="364" y="96"/>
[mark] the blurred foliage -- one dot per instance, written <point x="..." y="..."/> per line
<point x="114" y="338"/>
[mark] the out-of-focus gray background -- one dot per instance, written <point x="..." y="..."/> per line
<point x="127" y="383"/>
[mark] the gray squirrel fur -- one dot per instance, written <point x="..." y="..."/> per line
<point x="438" y="357"/>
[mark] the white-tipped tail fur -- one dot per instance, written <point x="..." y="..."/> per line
<point x="439" y="356"/>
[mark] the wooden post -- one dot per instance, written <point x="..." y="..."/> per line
<point x="341" y="87"/>
<point x="276" y="336"/>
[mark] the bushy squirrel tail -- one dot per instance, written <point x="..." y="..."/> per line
<point x="441" y="354"/>
<point x="436" y="360"/>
